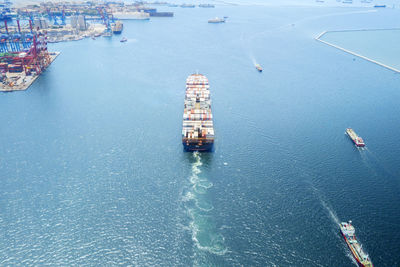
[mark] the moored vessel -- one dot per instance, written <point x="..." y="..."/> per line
<point x="188" y="6"/>
<point x="197" y="128"/>
<point x="358" y="141"/>
<point x="135" y="15"/>
<point x="348" y="232"/>
<point x="117" y="27"/>
<point x="207" y="5"/>
<point x="123" y="40"/>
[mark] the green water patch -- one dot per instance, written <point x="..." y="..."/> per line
<point x="380" y="45"/>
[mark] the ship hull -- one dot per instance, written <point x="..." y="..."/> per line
<point x="352" y="252"/>
<point x="195" y="146"/>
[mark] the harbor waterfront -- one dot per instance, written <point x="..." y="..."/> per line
<point x="93" y="171"/>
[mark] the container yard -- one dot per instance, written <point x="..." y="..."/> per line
<point x="23" y="57"/>
<point x="26" y="29"/>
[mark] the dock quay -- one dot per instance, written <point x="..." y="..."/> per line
<point x="318" y="38"/>
<point x="20" y="81"/>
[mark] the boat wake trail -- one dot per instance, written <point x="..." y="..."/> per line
<point x="204" y="231"/>
<point x="332" y="214"/>
<point x="375" y="164"/>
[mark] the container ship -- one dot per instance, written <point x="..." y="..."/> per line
<point x="117" y="27"/>
<point x="206" y="5"/>
<point x="198" y="129"/>
<point x="358" y="141"/>
<point x="188" y="6"/>
<point x="359" y="255"/>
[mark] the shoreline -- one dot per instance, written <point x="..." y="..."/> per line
<point x="318" y="38"/>
<point x="26" y="83"/>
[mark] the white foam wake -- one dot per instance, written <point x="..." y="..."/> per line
<point x="204" y="232"/>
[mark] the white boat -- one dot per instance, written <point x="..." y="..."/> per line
<point x="216" y="20"/>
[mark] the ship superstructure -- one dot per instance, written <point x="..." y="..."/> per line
<point x="198" y="128"/>
<point x="358" y="141"/>
<point x="348" y="232"/>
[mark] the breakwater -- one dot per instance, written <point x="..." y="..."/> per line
<point x="318" y="38"/>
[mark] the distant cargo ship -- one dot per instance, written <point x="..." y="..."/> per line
<point x="161" y="14"/>
<point x="136" y="15"/>
<point x="206" y="5"/>
<point x="379" y="6"/>
<point x="216" y="20"/>
<point x="197" y="129"/>
<point x="188" y="5"/>
<point x="358" y="141"/>
<point x="348" y="232"/>
<point x="117" y="27"/>
<point x="258" y="67"/>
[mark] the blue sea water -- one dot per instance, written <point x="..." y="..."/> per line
<point x="93" y="172"/>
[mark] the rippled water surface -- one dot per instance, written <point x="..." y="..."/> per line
<point x="93" y="172"/>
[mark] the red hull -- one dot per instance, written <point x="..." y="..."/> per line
<point x="357" y="260"/>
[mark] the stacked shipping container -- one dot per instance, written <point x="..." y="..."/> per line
<point x="197" y="130"/>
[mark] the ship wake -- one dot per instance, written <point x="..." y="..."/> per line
<point x="332" y="214"/>
<point x="199" y="208"/>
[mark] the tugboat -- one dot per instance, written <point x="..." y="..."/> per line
<point x="348" y="232"/>
<point x="216" y="20"/>
<point x="258" y="67"/>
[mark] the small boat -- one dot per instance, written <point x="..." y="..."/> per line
<point x="258" y="67"/>
<point x="123" y="40"/>
<point x="93" y="38"/>
<point x="216" y="20"/>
